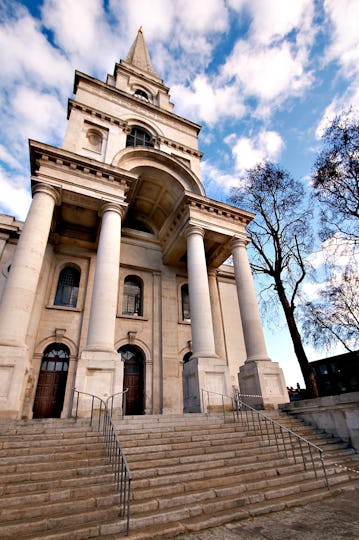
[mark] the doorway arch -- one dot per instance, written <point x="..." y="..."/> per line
<point x="133" y="378"/>
<point x="51" y="385"/>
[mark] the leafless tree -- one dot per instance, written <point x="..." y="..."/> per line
<point x="281" y="238"/>
<point x="336" y="179"/>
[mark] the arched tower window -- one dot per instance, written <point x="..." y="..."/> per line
<point x="132" y="296"/>
<point x="68" y="287"/>
<point x="139" y="137"/>
<point x="141" y="94"/>
<point x="186" y="312"/>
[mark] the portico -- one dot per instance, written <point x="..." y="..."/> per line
<point x="121" y="268"/>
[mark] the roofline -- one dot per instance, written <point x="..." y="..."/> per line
<point x="82" y="76"/>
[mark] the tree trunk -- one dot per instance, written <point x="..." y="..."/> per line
<point x="309" y="379"/>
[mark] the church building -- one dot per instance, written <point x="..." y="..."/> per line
<point x="118" y="278"/>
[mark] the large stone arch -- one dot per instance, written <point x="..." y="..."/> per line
<point x="162" y="183"/>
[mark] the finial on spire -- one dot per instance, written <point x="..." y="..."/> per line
<point x="140" y="29"/>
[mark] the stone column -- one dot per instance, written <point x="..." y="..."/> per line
<point x="248" y="305"/>
<point x="201" y="314"/>
<point x="216" y="314"/>
<point x="19" y="294"/>
<point x="261" y="381"/>
<point x="101" y="330"/>
<point x="18" y="299"/>
<point x="100" y="370"/>
<point x="205" y="371"/>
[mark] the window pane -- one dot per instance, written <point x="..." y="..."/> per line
<point x="186" y="313"/>
<point x="139" y="137"/>
<point x="68" y="287"/>
<point x="132" y="297"/>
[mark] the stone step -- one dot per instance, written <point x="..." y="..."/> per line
<point x="199" y="516"/>
<point x="188" y="471"/>
<point x="21" y="487"/>
<point x="54" y="495"/>
<point x="85" y="514"/>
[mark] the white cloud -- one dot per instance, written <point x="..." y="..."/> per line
<point x="15" y="195"/>
<point x="343" y="17"/>
<point x="82" y="31"/>
<point x="215" y="179"/>
<point x="204" y="101"/>
<point x="8" y="159"/>
<point x="25" y="55"/>
<point x="335" y="249"/>
<point x="267" y="73"/>
<point x="40" y="115"/>
<point x="265" y="146"/>
<point x="272" y="21"/>
<point x="343" y="49"/>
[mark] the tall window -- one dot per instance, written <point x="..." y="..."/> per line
<point x="139" y="137"/>
<point x="186" y="313"/>
<point x="132" y="296"/>
<point x="67" y="287"/>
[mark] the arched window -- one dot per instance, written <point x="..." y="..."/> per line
<point x="67" y="287"/>
<point x="132" y="296"/>
<point x="186" y="312"/>
<point x="141" y="94"/>
<point x="139" y="137"/>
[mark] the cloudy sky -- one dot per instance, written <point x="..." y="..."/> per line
<point x="260" y="76"/>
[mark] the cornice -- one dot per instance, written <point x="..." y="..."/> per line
<point x="63" y="159"/>
<point x="116" y="91"/>
<point x="123" y="124"/>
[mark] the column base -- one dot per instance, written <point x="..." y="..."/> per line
<point x="205" y="380"/>
<point x="99" y="373"/>
<point x="13" y="370"/>
<point x="265" y="382"/>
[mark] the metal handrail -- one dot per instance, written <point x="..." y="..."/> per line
<point x="124" y="402"/>
<point x="117" y="458"/>
<point x="275" y="433"/>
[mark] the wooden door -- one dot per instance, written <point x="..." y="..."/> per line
<point x="133" y="380"/>
<point x="51" y="385"/>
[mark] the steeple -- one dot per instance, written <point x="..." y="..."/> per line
<point x="139" y="56"/>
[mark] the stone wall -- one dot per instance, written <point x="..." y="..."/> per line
<point x="337" y="415"/>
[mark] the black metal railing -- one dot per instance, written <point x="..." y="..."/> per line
<point x="299" y="449"/>
<point x="110" y="402"/>
<point x="101" y="419"/>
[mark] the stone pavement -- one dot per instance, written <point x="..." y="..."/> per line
<point x="333" y="518"/>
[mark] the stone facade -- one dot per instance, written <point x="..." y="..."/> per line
<point x="117" y="278"/>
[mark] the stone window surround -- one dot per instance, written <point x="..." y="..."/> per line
<point x="82" y="266"/>
<point x="145" y="277"/>
<point x="181" y="320"/>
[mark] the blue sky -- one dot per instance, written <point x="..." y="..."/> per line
<point x="261" y="76"/>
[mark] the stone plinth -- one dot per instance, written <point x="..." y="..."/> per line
<point x="265" y="382"/>
<point x="209" y="374"/>
<point x="13" y="364"/>
<point x="99" y="373"/>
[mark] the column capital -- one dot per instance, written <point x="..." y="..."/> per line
<point x="49" y="190"/>
<point x="194" y="229"/>
<point x="212" y="272"/>
<point x="239" y="241"/>
<point x="108" y="206"/>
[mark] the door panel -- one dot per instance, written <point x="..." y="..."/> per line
<point x="51" y="385"/>
<point x="133" y="381"/>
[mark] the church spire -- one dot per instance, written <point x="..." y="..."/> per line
<point x="139" y="56"/>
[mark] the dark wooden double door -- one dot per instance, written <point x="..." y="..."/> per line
<point x="51" y="386"/>
<point x="133" y="379"/>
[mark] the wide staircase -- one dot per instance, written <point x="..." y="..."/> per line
<point x="189" y="473"/>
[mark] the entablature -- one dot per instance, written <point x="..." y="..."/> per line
<point x="220" y="222"/>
